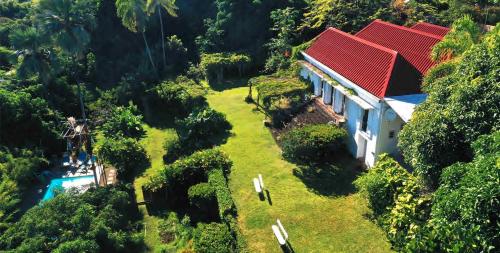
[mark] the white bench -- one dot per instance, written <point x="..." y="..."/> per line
<point x="278" y="235"/>
<point x="261" y="181"/>
<point x="285" y="234"/>
<point x="256" y="184"/>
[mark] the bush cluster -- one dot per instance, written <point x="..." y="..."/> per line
<point x="201" y="195"/>
<point x="124" y="122"/>
<point x="179" y="97"/>
<point x="312" y="143"/>
<point x="126" y="154"/>
<point x="213" y="237"/>
<point x="203" y="128"/>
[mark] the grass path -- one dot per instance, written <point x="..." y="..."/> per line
<point x="153" y="143"/>
<point x="315" y="223"/>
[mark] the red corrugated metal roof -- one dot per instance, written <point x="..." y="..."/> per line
<point x="415" y="46"/>
<point x="383" y="58"/>
<point x="431" y="28"/>
<point x="366" y="64"/>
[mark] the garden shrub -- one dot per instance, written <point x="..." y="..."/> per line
<point x="173" y="229"/>
<point x="202" y="195"/>
<point x="213" y="237"/>
<point x="124" y="122"/>
<point x="176" y="178"/>
<point x="178" y="97"/>
<point x="382" y="184"/>
<point x="203" y="128"/>
<point x="126" y="154"/>
<point x="6" y="57"/>
<point x="312" y="143"/>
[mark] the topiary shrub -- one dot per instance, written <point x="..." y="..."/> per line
<point x="203" y="128"/>
<point x="213" y="237"/>
<point x="225" y="201"/>
<point x="312" y="143"/>
<point x="201" y="195"/>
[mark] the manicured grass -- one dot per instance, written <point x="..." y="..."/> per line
<point x="316" y="206"/>
<point x="153" y="143"/>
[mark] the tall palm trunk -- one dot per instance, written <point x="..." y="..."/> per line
<point x="148" y="51"/>
<point x="162" y="38"/>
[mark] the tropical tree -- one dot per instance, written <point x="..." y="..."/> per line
<point x="33" y="54"/>
<point x="134" y="17"/>
<point x="68" y="23"/>
<point x="156" y="6"/>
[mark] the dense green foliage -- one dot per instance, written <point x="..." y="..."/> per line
<point x="213" y="237"/>
<point x="461" y="106"/>
<point x="99" y="220"/>
<point x="203" y="128"/>
<point x="201" y="195"/>
<point x="126" y="154"/>
<point x="178" y="97"/>
<point x="124" y="122"/>
<point x="465" y="206"/>
<point x="214" y="65"/>
<point x="284" y="23"/>
<point x="218" y="182"/>
<point x="463" y="34"/>
<point x="312" y="142"/>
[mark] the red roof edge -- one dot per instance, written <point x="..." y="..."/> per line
<point x="402" y="28"/>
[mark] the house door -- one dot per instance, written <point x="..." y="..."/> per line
<point x="361" y="153"/>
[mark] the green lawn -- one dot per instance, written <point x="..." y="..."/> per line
<point x="153" y="143"/>
<point x="318" y="209"/>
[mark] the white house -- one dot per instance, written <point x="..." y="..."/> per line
<point x="371" y="80"/>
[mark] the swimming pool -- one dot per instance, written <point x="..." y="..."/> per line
<point x="66" y="183"/>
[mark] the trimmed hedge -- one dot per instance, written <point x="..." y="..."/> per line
<point x="213" y="237"/>
<point x="312" y="142"/>
<point x="226" y="204"/>
<point x="201" y="195"/>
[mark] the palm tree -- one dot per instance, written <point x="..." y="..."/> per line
<point x="68" y="23"/>
<point x="133" y="16"/>
<point x="169" y="6"/>
<point x="34" y="56"/>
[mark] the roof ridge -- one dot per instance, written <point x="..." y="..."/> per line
<point x="401" y="28"/>
<point x="369" y="43"/>
<point x="429" y="24"/>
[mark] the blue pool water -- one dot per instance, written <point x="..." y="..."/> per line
<point x="59" y="184"/>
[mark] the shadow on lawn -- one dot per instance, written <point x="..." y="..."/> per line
<point x="229" y="84"/>
<point x="330" y="178"/>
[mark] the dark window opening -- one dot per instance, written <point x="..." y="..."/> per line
<point x="391" y="134"/>
<point x="342" y="106"/>
<point x="364" y="123"/>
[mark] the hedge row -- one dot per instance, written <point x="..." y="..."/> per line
<point x="226" y="204"/>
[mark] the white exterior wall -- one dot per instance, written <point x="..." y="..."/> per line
<point x="327" y="93"/>
<point x="376" y="136"/>
<point x="387" y="144"/>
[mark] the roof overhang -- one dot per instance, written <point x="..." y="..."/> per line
<point x="405" y="105"/>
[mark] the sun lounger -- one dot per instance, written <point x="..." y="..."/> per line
<point x="256" y="184"/>
<point x="285" y="234"/>
<point x="278" y="235"/>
